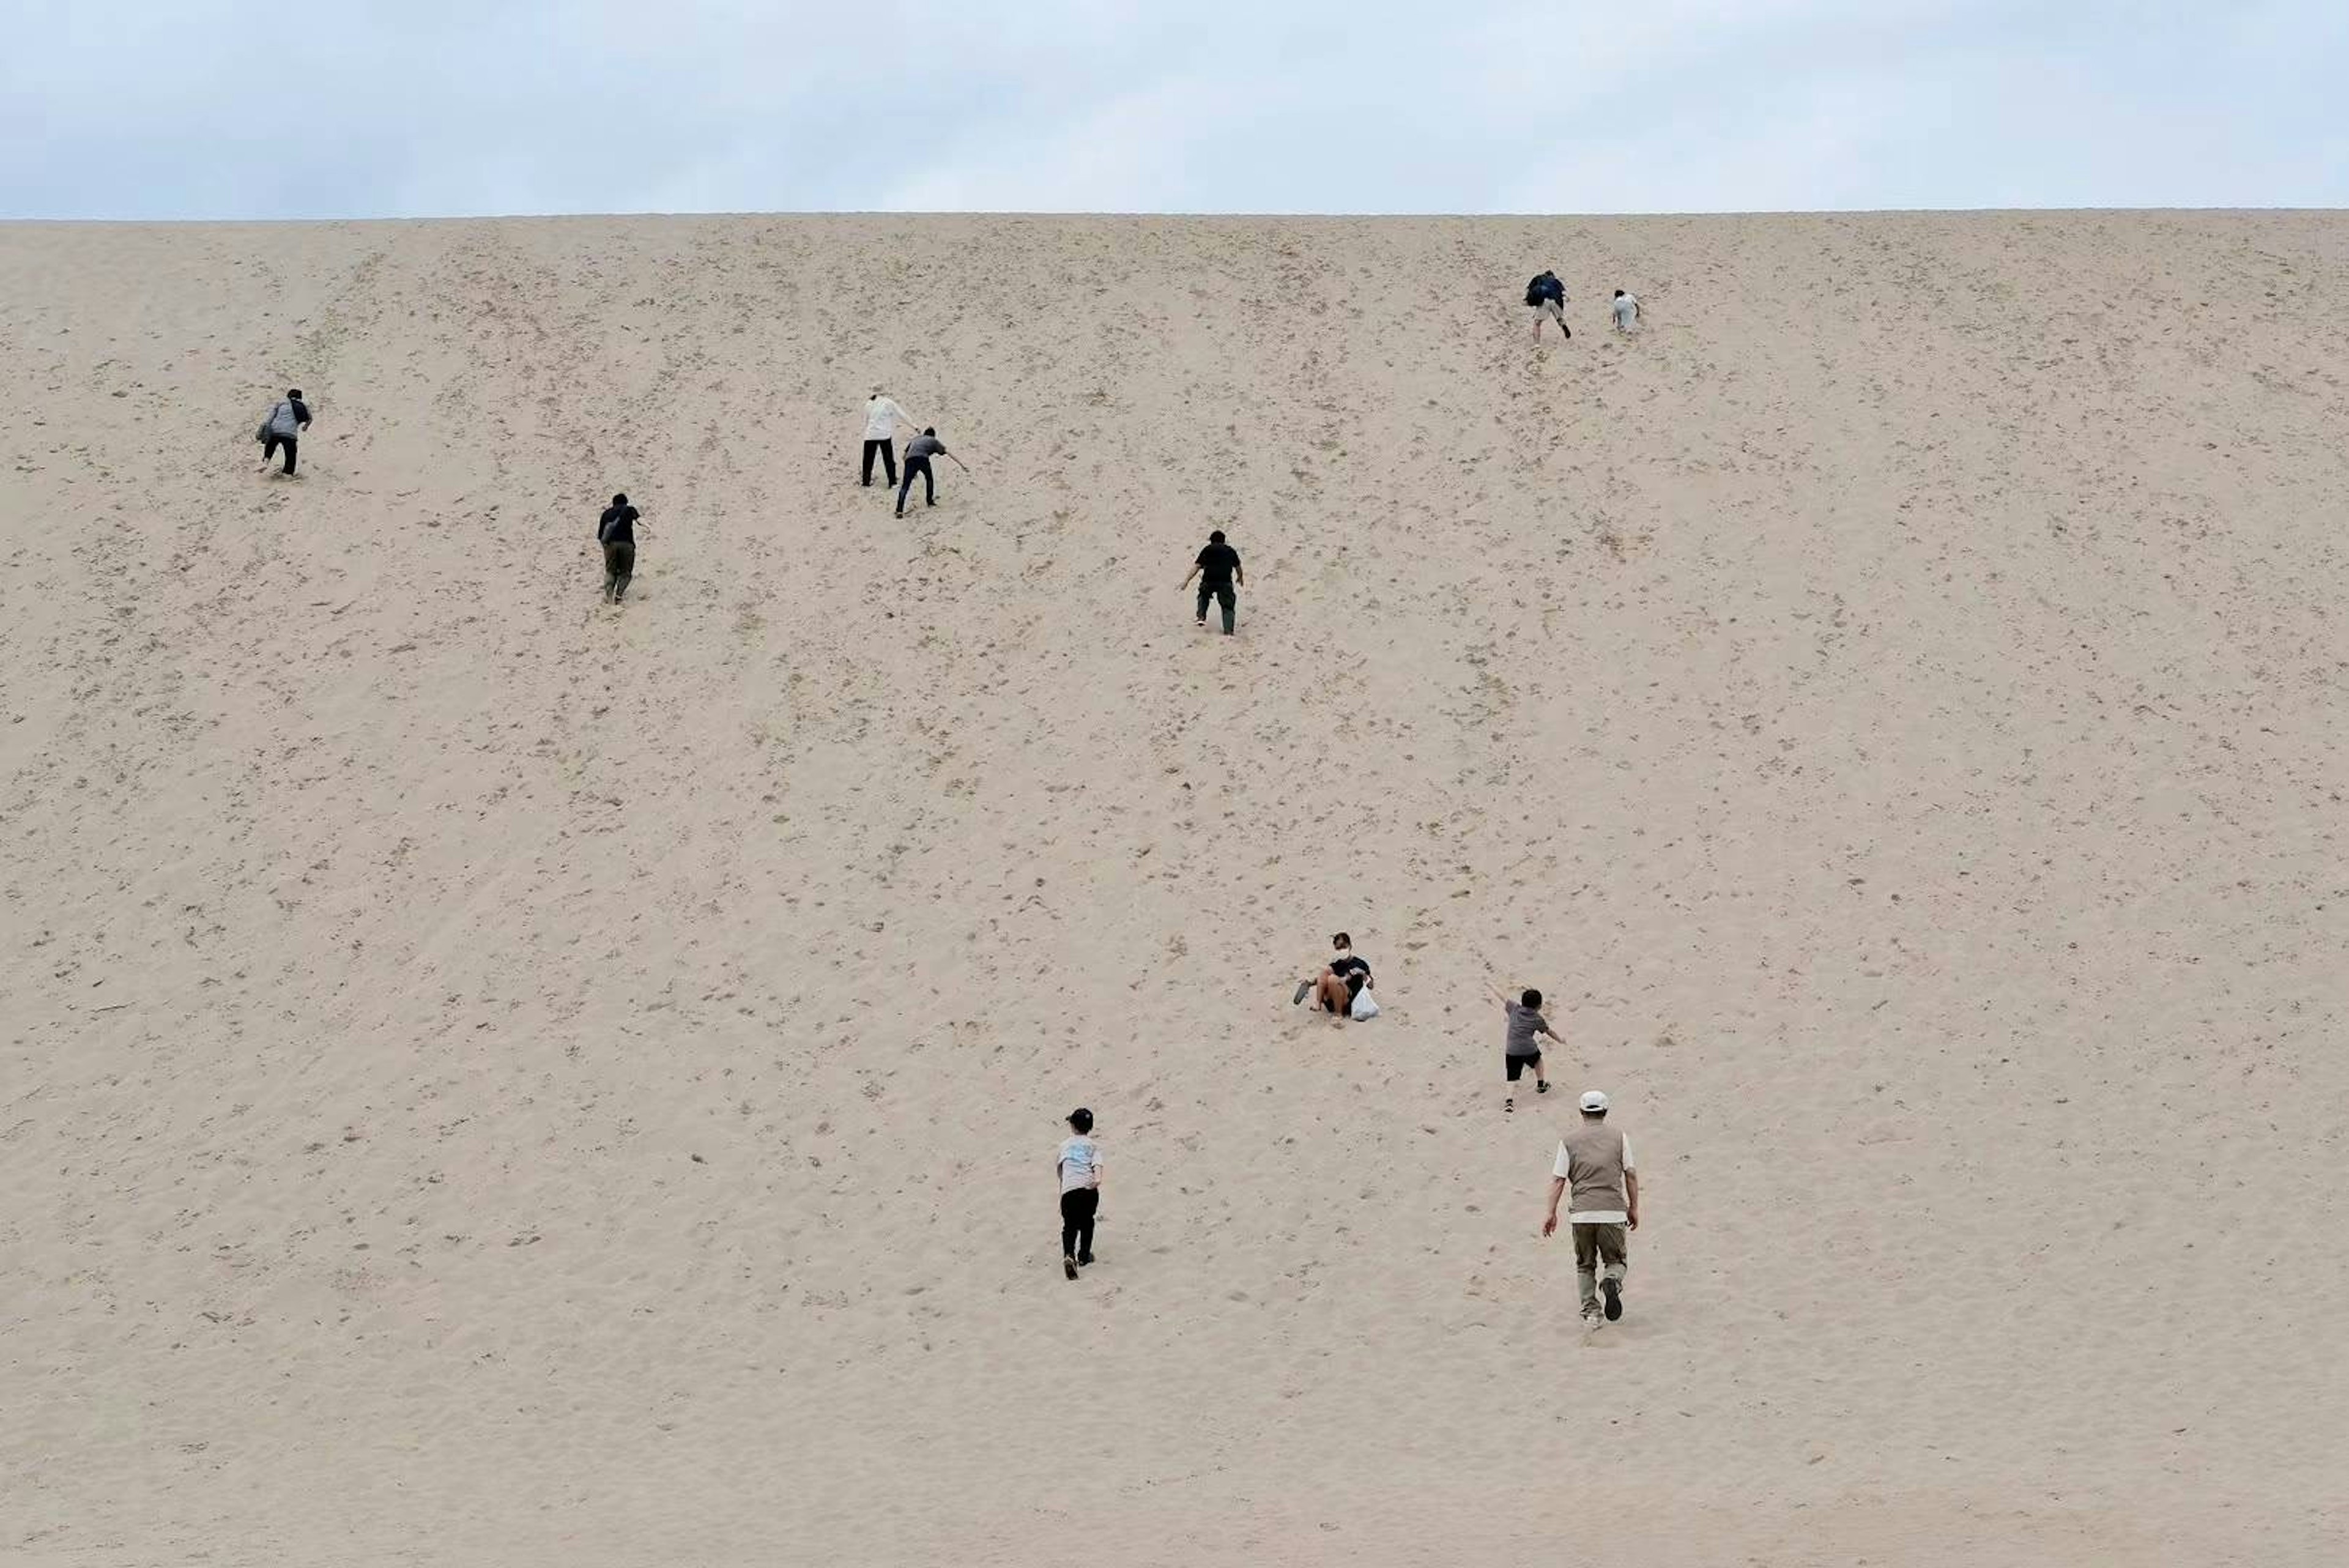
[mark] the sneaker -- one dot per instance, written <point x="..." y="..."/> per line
<point x="1541" y="1086"/>
<point x="1084" y="1259"/>
<point x="1068" y="1267"/>
<point x="1613" y="1292"/>
<point x="1592" y="1323"/>
<point x="1303" y="986"/>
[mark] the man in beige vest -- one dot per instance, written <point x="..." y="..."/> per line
<point x="1595" y="1159"/>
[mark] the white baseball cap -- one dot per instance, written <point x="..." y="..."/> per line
<point x="1594" y="1100"/>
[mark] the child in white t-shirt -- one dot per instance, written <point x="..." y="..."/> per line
<point x="1080" y="1170"/>
<point x="1626" y="310"/>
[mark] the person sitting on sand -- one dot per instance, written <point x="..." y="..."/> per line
<point x="283" y="427"/>
<point x="616" y="532"/>
<point x="1080" y="1170"/>
<point x="918" y="452"/>
<point x="1519" y="1051"/>
<point x="1626" y="310"/>
<point x="1342" y="978"/>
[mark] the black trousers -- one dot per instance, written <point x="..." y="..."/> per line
<point x="1222" y="594"/>
<point x="1077" y="1208"/>
<point x="619" y="565"/>
<point x="888" y="459"/>
<point x="269" y="450"/>
<point x="917" y="466"/>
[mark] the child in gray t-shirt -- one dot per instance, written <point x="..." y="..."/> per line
<point x="1521" y="1048"/>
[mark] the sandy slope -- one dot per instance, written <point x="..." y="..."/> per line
<point x="1897" y="703"/>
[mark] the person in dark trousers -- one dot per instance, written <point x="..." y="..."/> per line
<point x="1341" y="980"/>
<point x="918" y="452"/>
<point x="1080" y="1170"/>
<point x="616" y="532"/>
<point x="1594" y="1160"/>
<point x="1519" y="1050"/>
<point x="1218" y="571"/>
<point x="881" y="417"/>
<point x="1547" y="296"/>
<point x="283" y="427"/>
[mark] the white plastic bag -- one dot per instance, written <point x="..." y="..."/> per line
<point x="1364" y="1008"/>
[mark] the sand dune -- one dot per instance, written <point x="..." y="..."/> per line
<point x="491" y="1079"/>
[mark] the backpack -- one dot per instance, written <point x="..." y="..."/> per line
<point x="1545" y="286"/>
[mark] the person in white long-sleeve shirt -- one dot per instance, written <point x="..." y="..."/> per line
<point x="882" y="416"/>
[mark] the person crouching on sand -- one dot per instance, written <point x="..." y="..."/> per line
<point x="1595" y="1160"/>
<point x="1080" y="1170"/>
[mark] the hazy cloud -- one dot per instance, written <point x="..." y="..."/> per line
<point x="205" y="109"/>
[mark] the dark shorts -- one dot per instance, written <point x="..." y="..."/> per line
<point x="1517" y="1064"/>
<point x="620" y="558"/>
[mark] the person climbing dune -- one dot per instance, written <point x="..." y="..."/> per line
<point x="284" y="427"/>
<point x="1547" y="296"/>
<point x="1520" y="1049"/>
<point x="616" y="532"/>
<point x="1080" y="1170"/>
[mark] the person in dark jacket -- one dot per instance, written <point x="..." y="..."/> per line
<point x="283" y="427"/>
<point x="1547" y="296"/>
<point x="616" y="532"/>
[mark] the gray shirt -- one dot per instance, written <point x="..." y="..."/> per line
<point x="923" y="446"/>
<point x="1523" y="1025"/>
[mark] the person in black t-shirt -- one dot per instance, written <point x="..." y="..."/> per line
<point x="1341" y="980"/>
<point x="616" y="532"/>
<point x="1218" y="571"/>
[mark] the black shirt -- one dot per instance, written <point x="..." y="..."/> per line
<point x="618" y="526"/>
<point x="1216" y="565"/>
<point x="1354" y="971"/>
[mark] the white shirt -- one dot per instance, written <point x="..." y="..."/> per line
<point x="1626" y="310"/>
<point x="1080" y="1163"/>
<point x="881" y="417"/>
<point x="1596" y="1216"/>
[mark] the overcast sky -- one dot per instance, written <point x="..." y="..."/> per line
<point x="275" y="109"/>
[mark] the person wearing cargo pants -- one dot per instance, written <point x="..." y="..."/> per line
<point x="1218" y="571"/>
<point x="1595" y="1160"/>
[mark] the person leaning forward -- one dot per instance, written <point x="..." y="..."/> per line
<point x="1219" y="572"/>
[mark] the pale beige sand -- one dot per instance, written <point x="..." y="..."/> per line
<point x="1897" y="704"/>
